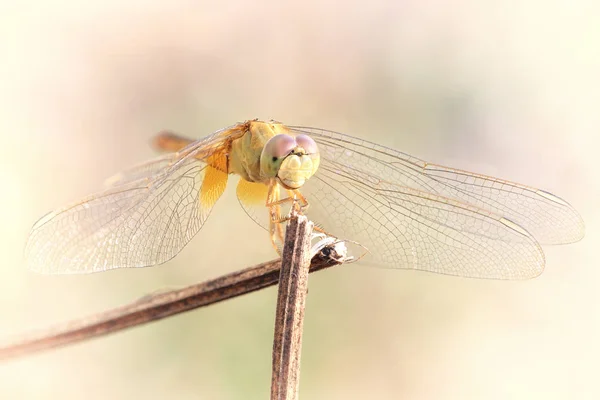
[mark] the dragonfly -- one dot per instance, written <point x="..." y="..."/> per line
<point x="408" y="213"/>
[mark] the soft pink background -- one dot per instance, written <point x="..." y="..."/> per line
<point x="509" y="89"/>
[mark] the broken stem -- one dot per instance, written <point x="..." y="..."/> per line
<point x="157" y="306"/>
<point x="289" y="317"/>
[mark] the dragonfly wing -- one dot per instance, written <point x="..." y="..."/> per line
<point x="253" y="199"/>
<point x="176" y="146"/>
<point x="144" y="219"/>
<point x="550" y="219"/>
<point x="407" y="228"/>
<point x="145" y="170"/>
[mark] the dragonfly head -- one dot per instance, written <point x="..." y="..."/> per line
<point x="290" y="159"/>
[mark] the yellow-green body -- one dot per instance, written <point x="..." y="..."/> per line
<point x="251" y="157"/>
<point x="244" y="156"/>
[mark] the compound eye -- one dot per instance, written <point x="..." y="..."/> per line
<point x="307" y="143"/>
<point x="279" y="146"/>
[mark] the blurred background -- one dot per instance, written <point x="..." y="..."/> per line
<point x="509" y="90"/>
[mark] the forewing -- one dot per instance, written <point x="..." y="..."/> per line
<point x="144" y="219"/>
<point x="145" y="170"/>
<point x="548" y="218"/>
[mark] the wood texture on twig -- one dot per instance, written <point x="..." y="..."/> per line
<point x="289" y="317"/>
<point x="155" y="307"/>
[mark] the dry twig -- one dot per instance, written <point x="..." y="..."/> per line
<point x="157" y="306"/>
<point x="289" y="318"/>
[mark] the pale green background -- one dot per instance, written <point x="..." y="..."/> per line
<point x="510" y="89"/>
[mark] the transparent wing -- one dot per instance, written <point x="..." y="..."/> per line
<point x="145" y="170"/>
<point x="253" y="198"/>
<point x="407" y="228"/>
<point x="145" y="218"/>
<point x="177" y="147"/>
<point x="550" y="219"/>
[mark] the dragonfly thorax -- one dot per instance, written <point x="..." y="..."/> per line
<point x="269" y="150"/>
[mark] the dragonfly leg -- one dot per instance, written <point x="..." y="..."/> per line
<point x="280" y="201"/>
<point x="322" y="231"/>
<point x="274" y="202"/>
<point x="301" y="200"/>
<point x="278" y="218"/>
<point x="274" y="205"/>
<point x="275" y="240"/>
